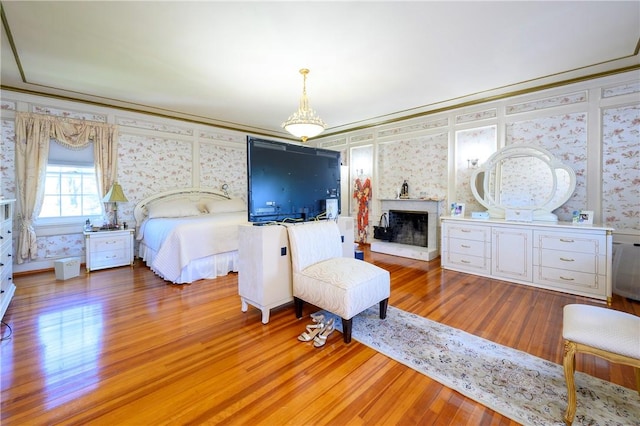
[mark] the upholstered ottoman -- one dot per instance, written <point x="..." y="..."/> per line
<point x="609" y="334"/>
<point x="344" y="286"/>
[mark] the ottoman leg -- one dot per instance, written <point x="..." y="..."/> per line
<point x="383" y="308"/>
<point x="298" y="303"/>
<point x="346" y="329"/>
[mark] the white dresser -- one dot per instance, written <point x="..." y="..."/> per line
<point x="570" y="258"/>
<point x="7" y="288"/>
<point x="108" y="249"/>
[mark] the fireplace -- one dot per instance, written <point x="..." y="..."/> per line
<point x="408" y="227"/>
<point x="417" y="236"/>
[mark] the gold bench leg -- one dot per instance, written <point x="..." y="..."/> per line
<point x="637" y="370"/>
<point x="569" y="364"/>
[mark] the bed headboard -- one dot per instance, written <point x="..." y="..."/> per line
<point x="199" y="195"/>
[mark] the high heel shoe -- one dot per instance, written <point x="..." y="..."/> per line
<point x="313" y="330"/>
<point x="321" y="338"/>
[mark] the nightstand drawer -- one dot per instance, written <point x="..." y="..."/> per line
<point x="104" y="259"/>
<point x="115" y="242"/>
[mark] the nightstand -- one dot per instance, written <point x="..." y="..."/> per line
<point x="108" y="249"/>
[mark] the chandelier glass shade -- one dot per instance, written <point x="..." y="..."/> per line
<point x="304" y="123"/>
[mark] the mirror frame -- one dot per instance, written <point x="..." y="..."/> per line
<point x="541" y="211"/>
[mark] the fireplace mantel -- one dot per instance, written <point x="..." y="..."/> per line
<point x="433" y="208"/>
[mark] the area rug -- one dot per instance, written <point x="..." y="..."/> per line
<point x="520" y="386"/>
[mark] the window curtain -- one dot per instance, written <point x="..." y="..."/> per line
<point x="33" y="133"/>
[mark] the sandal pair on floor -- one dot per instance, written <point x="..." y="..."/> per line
<point x="319" y="331"/>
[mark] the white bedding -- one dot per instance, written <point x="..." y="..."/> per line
<point x="182" y="250"/>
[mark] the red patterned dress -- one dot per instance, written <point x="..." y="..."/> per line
<point x="362" y="192"/>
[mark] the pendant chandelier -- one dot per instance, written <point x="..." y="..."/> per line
<point x="304" y="123"/>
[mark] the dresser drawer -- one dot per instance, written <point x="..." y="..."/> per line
<point x="6" y="278"/>
<point x="6" y="258"/>
<point x="467" y="232"/>
<point x="113" y="243"/>
<point x="570" y="243"/>
<point x="475" y="264"/>
<point x="6" y="235"/>
<point x="571" y="280"/>
<point x="572" y="261"/>
<point x="468" y="247"/>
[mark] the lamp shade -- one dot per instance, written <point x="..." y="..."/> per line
<point x="115" y="195"/>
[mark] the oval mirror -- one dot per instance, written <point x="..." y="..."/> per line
<point x="523" y="177"/>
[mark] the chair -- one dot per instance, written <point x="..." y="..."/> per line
<point x="608" y="334"/>
<point x="344" y="286"/>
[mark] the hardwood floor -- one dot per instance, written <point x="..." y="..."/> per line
<point x="121" y="346"/>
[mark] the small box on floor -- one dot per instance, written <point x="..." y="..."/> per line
<point x="67" y="268"/>
<point x="359" y="254"/>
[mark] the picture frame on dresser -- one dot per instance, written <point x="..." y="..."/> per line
<point x="457" y="209"/>
<point x="583" y="217"/>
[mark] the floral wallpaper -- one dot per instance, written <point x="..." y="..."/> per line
<point x="148" y="165"/>
<point x="421" y="161"/>
<point x="7" y="159"/>
<point x="222" y="164"/>
<point x="621" y="167"/>
<point x="565" y="136"/>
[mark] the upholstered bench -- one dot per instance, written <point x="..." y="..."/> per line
<point x="344" y="286"/>
<point x="609" y="334"/>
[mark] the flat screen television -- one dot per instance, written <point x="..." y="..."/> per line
<point x="289" y="182"/>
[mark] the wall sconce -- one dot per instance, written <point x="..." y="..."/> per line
<point x="472" y="163"/>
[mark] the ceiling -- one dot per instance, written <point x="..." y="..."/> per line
<point x="235" y="64"/>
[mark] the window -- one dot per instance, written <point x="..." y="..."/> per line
<point x="71" y="189"/>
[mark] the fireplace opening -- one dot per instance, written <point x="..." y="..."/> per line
<point x="408" y="227"/>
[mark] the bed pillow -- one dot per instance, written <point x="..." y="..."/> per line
<point x="174" y="208"/>
<point x="226" y="206"/>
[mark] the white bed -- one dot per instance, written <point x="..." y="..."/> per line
<point x="189" y="234"/>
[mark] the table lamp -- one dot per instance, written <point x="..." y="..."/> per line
<point x="115" y="196"/>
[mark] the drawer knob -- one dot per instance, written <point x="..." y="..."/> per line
<point x="564" y="240"/>
<point x="464" y="261"/>
<point x="465" y="246"/>
<point x="564" y="259"/>
<point x="566" y="279"/>
<point x="465" y="230"/>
